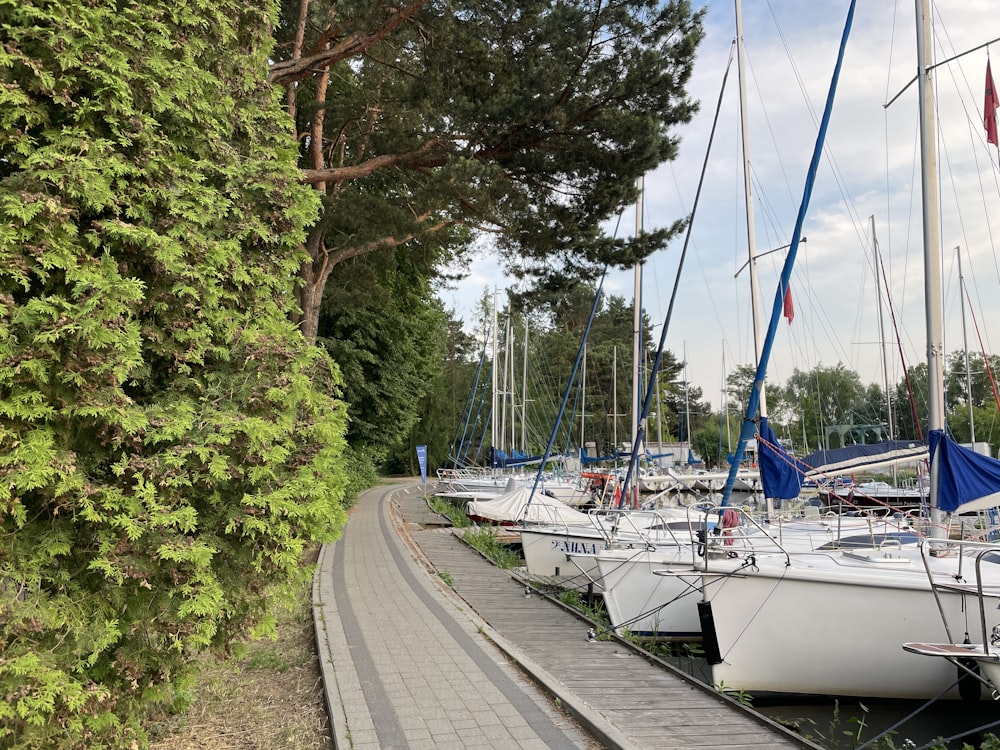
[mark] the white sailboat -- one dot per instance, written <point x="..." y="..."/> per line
<point x="831" y="622"/>
<point x="654" y="591"/>
<point x="571" y="552"/>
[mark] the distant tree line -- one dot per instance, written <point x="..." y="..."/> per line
<point x="456" y="414"/>
<point x="809" y="402"/>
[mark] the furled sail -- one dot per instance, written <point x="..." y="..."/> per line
<point x="967" y="480"/>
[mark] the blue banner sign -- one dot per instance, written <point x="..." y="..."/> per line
<point x="422" y="458"/>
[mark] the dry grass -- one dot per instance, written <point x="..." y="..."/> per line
<point x="268" y="697"/>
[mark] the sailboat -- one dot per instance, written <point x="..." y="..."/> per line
<point x="590" y="552"/>
<point x="500" y="481"/>
<point x="831" y="622"/>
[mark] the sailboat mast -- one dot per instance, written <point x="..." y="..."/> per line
<point x="614" y="400"/>
<point x="965" y="346"/>
<point x="637" y="320"/>
<point x="687" y="403"/>
<point x="748" y="195"/>
<point x="724" y="407"/>
<point x="659" y="415"/>
<point x="524" y="391"/>
<point x="507" y="439"/>
<point x="932" y="247"/>
<point x="583" y="404"/>
<point x="494" y="408"/>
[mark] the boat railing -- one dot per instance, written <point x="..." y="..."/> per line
<point x="965" y="577"/>
<point x="476" y="472"/>
<point x="650" y="528"/>
<point x="730" y="532"/>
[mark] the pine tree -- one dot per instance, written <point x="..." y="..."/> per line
<point x="527" y="123"/>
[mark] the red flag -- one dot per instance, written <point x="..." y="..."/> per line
<point x="789" y="308"/>
<point x="990" y="107"/>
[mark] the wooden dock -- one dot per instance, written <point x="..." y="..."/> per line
<point x="652" y="704"/>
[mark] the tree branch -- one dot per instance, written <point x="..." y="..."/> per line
<point x="423" y="157"/>
<point x="285" y="72"/>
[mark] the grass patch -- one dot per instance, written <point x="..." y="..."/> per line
<point x="267" y="696"/>
<point x="593" y="609"/>
<point x="452" y="511"/>
<point x="484" y="539"/>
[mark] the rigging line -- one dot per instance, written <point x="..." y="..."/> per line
<point x="905" y="719"/>
<point x="975" y="152"/>
<point x="966" y="733"/>
<point x="691" y="589"/>
<point x="957" y="201"/>
<point x="569" y="386"/>
<point x="658" y="608"/>
<point x="798" y="465"/>
<point x="938" y="64"/>
<point x="712" y="299"/>
<point x="827" y="151"/>
<point x="885" y="145"/>
<point x="899" y="347"/>
<point x="975" y="132"/>
<point x="753" y="615"/>
<point x="471" y="401"/>
<point x="802" y="88"/>
<point x="986" y="359"/>
<point x="637" y="439"/>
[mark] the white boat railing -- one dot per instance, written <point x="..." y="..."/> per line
<point x="978" y="662"/>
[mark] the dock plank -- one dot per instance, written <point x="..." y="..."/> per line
<point x="650" y="702"/>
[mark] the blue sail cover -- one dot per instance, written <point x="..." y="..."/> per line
<point x="963" y="474"/>
<point x="779" y="475"/>
<point x="587" y="460"/>
<point x="500" y="460"/>
<point x="863" y="457"/>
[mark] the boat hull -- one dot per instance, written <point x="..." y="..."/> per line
<point x="640" y="601"/>
<point x="829" y="630"/>
<point x="566" y="555"/>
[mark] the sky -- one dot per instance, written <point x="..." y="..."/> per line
<point x="869" y="172"/>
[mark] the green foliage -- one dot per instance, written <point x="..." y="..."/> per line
<point x="555" y="328"/>
<point x="712" y="444"/>
<point x="484" y="539"/>
<point x="382" y="324"/>
<point x="593" y="609"/>
<point x="740" y="696"/>
<point x="360" y="468"/>
<point x="443" y="410"/>
<point x="449" y="510"/>
<point x="168" y="443"/>
<point x="989" y="742"/>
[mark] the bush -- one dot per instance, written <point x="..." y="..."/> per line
<point x="168" y="443"/>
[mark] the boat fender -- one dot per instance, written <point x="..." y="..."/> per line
<point x="710" y="640"/>
<point x="969" y="685"/>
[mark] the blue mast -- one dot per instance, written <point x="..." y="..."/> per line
<point x="749" y="426"/>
